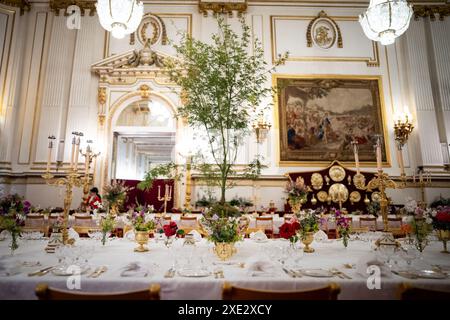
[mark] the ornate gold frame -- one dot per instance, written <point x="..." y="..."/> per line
<point x="280" y="163"/>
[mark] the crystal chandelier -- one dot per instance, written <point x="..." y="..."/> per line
<point x="385" y="20"/>
<point x="120" y="17"/>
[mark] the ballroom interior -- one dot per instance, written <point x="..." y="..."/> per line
<point x="359" y="116"/>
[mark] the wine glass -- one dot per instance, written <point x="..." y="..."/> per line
<point x="409" y="253"/>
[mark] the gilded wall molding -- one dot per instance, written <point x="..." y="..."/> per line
<point x="431" y="12"/>
<point x="57" y="5"/>
<point x="222" y="7"/>
<point x="310" y="31"/>
<point x="23" y="5"/>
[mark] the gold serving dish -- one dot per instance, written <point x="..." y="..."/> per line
<point x="355" y="196"/>
<point x="322" y="196"/>
<point x="337" y="173"/>
<point x="316" y="181"/>
<point x="338" y="192"/>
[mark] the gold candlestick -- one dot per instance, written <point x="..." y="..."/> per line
<point x="187" y="198"/>
<point x="167" y="196"/>
<point x="88" y="181"/>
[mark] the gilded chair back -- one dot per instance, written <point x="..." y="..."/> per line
<point x="409" y="292"/>
<point x="368" y="222"/>
<point x="188" y="224"/>
<point x="329" y="292"/>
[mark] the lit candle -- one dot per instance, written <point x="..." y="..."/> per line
<point x="355" y="150"/>
<point x="170" y="191"/>
<point x="60" y="156"/>
<point x="49" y="154"/>
<point x="72" y="153"/>
<point x="379" y="166"/>
<point x="159" y="192"/>
<point x="77" y="151"/>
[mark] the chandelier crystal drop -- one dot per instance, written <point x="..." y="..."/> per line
<point x="120" y="17"/>
<point x="385" y="20"/>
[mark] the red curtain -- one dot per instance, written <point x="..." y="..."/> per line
<point x="149" y="197"/>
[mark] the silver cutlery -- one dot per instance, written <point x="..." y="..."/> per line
<point x="98" y="272"/>
<point x="170" y="273"/>
<point x="405" y="274"/>
<point x="41" y="272"/>
<point x="340" y="274"/>
<point x="290" y="273"/>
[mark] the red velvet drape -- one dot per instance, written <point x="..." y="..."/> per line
<point x="150" y="197"/>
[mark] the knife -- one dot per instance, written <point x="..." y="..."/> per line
<point x="38" y="272"/>
<point x="290" y="273"/>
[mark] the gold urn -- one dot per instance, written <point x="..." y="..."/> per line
<point x="307" y="239"/>
<point x="141" y="238"/>
<point x="224" y="251"/>
<point x="444" y="236"/>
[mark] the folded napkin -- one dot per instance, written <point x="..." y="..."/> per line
<point x="73" y="234"/>
<point x="260" y="266"/>
<point x="197" y="236"/>
<point x="134" y="269"/>
<point x="367" y="262"/>
<point x="258" y="236"/>
<point x="320" y="236"/>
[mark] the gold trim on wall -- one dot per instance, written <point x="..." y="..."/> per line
<point x="10" y="28"/>
<point x="280" y="163"/>
<point x="370" y="61"/>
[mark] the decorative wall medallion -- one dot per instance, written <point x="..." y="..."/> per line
<point x="152" y="29"/>
<point x="355" y="196"/>
<point x="322" y="196"/>
<point x="323" y="32"/>
<point x="317" y="181"/>
<point x="337" y="173"/>
<point x="338" y="193"/>
<point x="359" y="181"/>
<point x="376" y="196"/>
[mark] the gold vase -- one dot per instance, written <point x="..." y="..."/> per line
<point x="224" y="250"/>
<point x="296" y="205"/>
<point x="114" y="211"/>
<point x="141" y="239"/>
<point x="307" y="240"/>
<point x="444" y="236"/>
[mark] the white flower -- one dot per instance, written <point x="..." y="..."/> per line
<point x="409" y="219"/>
<point x="429" y="220"/>
<point x="410" y="205"/>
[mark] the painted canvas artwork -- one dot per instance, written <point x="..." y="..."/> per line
<point x="319" y="117"/>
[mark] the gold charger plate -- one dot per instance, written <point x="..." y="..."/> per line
<point x="338" y="192"/>
<point x="355" y="196"/>
<point x="337" y="173"/>
<point x="322" y="196"/>
<point x="376" y="196"/>
<point x="317" y="181"/>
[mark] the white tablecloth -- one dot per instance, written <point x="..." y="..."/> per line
<point x="119" y="252"/>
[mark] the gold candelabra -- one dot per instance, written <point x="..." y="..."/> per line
<point x="187" y="198"/>
<point x="89" y="157"/>
<point x="167" y="196"/>
<point x="261" y="127"/>
<point x="71" y="180"/>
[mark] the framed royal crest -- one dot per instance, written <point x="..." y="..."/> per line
<point x="319" y="116"/>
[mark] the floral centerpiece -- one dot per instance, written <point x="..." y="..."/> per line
<point x="13" y="211"/>
<point x="297" y="193"/>
<point x="309" y="224"/>
<point x="342" y="226"/>
<point x="441" y="223"/>
<point x="289" y="229"/>
<point x="142" y="224"/>
<point x="115" y="194"/>
<point x="107" y="225"/>
<point x="418" y="227"/>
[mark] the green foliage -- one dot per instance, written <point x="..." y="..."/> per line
<point x="116" y="192"/>
<point x="309" y="222"/>
<point x="167" y="170"/>
<point x="222" y="229"/>
<point x="222" y="81"/>
<point x="223" y="211"/>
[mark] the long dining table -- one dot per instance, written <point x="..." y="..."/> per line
<point x="239" y="270"/>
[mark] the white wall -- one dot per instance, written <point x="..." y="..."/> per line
<point x="48" y="87"/>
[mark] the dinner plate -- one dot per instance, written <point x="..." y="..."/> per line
<point x="260" y="241"/>
<point x="430" y="274"/>
<point x="318" y="273"/>
<point x="194" y="273"/>
<point x="63" y="271"/>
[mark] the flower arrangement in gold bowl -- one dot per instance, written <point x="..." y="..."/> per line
<point x="142" y="225"/>
<point x="115" y="195"/>
<point x="297" y="193"/>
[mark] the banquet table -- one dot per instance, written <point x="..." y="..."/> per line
<point x="119" y="251"/>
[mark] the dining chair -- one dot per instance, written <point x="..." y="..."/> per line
<point x="36" y="223"/>
<point x="395" y="226"/>
<point x="83" y="223"/>
<point x="368" y="222"/>
<point x="287" y="217"/>
<point x="409" y="292"/>
<point x="265" y="223"/>
<point x="166" y="220"/>
<point x="329" y="292"/>
<point x="44" y="292"/>
<point x="188" y="224"/>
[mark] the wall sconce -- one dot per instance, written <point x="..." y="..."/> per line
<point x="261" y="127"/>
<point x="402" y="127"/>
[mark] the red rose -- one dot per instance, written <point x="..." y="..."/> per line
<point x="287" y="230"/>
<point x="170" y="229"/>
<point x="443" y="216"/>
<point x="295" y="225"/>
